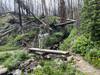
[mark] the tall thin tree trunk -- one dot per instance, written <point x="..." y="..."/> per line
<point x="62" y="11"/>
<point x="20" y="15"/>
<point x="44" y="7"/>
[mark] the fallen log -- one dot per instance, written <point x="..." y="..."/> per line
<point x="25" y="7"/>
<point x="1" y="35"/>
<point x="58" y="52"/>
<point x="69" y="21"/>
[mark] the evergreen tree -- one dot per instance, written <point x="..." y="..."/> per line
<point x="90" y="20"/>
<point x="95" y="19"/>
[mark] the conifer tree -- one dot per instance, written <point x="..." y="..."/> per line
<point x="95" y="19"/>
<point x="90" y="20"/>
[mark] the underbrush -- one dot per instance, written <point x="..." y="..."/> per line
<point x="93" y="56"/>
<point x="8" y="48"/>
<point x="9" y="45"/>
<point x="12" y="59"/>
<point x="83" y="45"/>
<point x="4" y="56"/>
<point x="55" y="67"/>
<point x="53" y="19"/>
<point x="54" y="38"/>
<point x="67" y="43"/>
<point x="88" y="49"/>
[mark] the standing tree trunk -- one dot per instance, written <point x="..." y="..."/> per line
<point x="44" y="7"/>
<point x="62" y="11"/>
<point x="20" y="15"/>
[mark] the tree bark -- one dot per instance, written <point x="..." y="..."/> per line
<point x="62" y="11"/>
<point x="20" y="15"/>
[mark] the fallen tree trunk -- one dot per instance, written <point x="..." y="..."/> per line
<point x="69" y="21"/>
<point x="48" y="51"/>
<point x="25" y="7"/>
<point x="1" y="35"/>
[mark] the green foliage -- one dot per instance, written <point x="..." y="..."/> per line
<point x="4" y="56"/>
<point x="87" y="48"/>
<point x="56" y="68"/>
<point x="68" y="42"/>
<point x="15" y="58"/>
<point x="93" y="56"/>
<point x="95" y="19"/>
<point x="9" y="45"/>
<point x="52" y="19"/>
<point x="38" y="71"/>
<point x="88" y="43"/>
<point x="8" y="48"/>
<point x="90" y="19"/>
<point x="70" y="27"/>
<point x="27" y="34"/>
<point x="83" y="44"/>
<point x="27" y="37"/>
<point x="54" y="38"/>
<point x="86" y="20"/>
<point x="19" y="37"/>
<point x="3" y="21"/>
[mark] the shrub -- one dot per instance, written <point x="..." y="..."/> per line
<point x="53" y="68"/>
<point x="87" y="48"/>
<point x="68" y="42"/>
<point x="82" y="44"/>
<point x="93" y="56"/>
<point x="38" y="71"/>
<point x="54" y="38"/>
<point x="19" y="37"/>
<point x="90" y="19"/>
<point x="4" y="56"/>
<point x="16" y="57"/>
<point x="52" y="19"/>
<point x="9" y="45"/>
<point x="8" y="48"/>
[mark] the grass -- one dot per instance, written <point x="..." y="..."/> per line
<point x="11" y="59"/>
<point x="8" y="48"/>
<point x="68" y="42"/>
<point x="4" y="19"/>
<point x="4" y="56"/>
<point x="55" y="67"/>
<point x="83" y="45"/>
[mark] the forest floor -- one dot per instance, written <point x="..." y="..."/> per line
<point x="80" y="63"/>
<point x="84" y="66"/>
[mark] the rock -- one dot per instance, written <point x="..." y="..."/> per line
<point x="58" y="61"/>
<point x="1" y="66"/>
<point x="70" y="58"/>
<point x="3" y="71"/>
<point x="17" y="72"/>
<point x="28" y="65"/>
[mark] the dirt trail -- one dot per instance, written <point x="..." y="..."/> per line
<point x="85" y="67"/>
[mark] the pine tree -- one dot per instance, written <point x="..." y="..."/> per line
<point x="90" y="20"/>
<point x="95" y="19"/>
